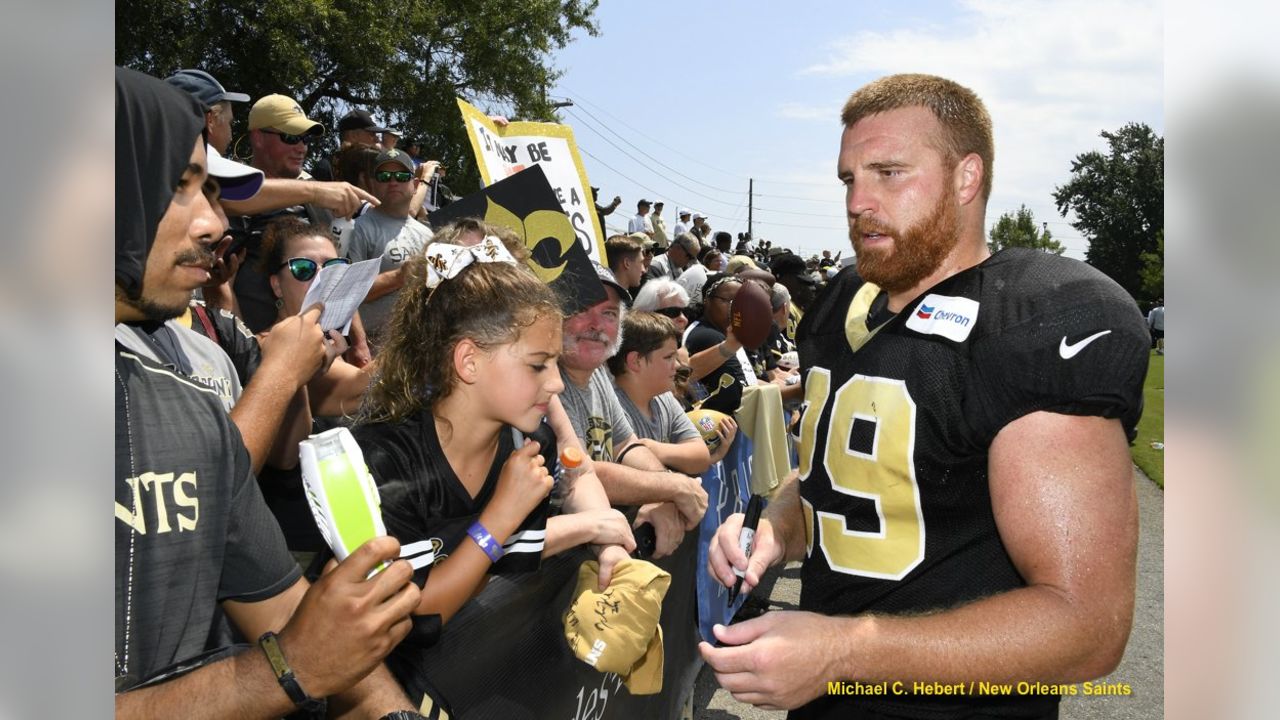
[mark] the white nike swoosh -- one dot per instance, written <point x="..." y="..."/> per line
<point x="1069" y="351"/>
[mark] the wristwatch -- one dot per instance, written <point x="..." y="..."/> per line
<point x="284" y="675"/>
<point x="403" y="715"/>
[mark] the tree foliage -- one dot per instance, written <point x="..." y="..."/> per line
<point x="1118" y="200"/>
<point x="1020" y="230"/>
<point x="1153" y="271"/>
<point x="404" y="60"/>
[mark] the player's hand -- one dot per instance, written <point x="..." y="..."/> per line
<point x="724" y="553"/>
<point x="690" y="499"/>
<point x="780" y="660"/>
<point x="345" y="625"/>
<point x="343" y="199"/>
<point x="523" y="483"/>
<point x="609" y="558"/>
<point x="668" y="527"/>
<point x="727" y="430"/>
<point x="296" y="345"/>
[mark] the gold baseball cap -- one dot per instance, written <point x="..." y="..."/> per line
<point x="280" y="112"/>
<point x="617" y="630"/>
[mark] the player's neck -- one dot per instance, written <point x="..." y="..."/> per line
<point x="965" y="254"/>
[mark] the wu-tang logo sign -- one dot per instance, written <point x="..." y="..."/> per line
<point x="526" y="203"/>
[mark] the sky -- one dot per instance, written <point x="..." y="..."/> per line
<point x="686" y="102"/>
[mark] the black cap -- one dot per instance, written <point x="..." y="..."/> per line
<point x="359" y="120"/>
<point x="789" y="264"/>
<point x="643" y="202"/>
<point x="606" y="276"/>
<point x="203" y="87"/>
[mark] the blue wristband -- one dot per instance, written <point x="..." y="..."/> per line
<point x="485" y="540"/>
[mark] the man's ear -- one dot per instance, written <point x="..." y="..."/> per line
<point x="968" y="178"/>
<point x="466" y="360"/>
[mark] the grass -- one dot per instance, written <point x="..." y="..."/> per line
<point x="1151" y="426"/>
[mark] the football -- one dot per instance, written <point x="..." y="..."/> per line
<point x="751" y="315"/>
<point x="706" y="422"/>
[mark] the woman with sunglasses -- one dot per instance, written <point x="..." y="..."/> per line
<point x="667" y="298"/>
<point x="293" y="254"/>
<point x="716" y="356"/>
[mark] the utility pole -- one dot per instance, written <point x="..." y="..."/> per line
<point x="750" y="197"/>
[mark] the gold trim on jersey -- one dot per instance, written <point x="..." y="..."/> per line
<point x="855" y="322"/>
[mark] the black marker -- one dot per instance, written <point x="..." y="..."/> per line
<point x="747" y="540"/>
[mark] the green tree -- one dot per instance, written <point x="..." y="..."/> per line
<point x="1118" y="200"/>
<point x="1153" y="271"/>
<point x="404" y="60"/>
<point x="1019" y="230"/>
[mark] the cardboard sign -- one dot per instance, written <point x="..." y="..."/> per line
<point x="505" y="151"/>
<point x="525" y="203"/>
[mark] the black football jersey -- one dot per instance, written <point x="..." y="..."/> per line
<point x="427" y="508"/>
<point x="900" y="411"/>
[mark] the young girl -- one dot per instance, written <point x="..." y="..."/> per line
<point x="643" y="372"/>
<point x="469" y="371"/>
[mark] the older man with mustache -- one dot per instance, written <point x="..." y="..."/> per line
<point x="631" y="474"/>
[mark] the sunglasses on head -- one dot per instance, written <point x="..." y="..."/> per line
<point x="671" y="312"/>
<point x="303" y="269"/>
<point x="288" y="139"/>
<point x="386" y="176"/>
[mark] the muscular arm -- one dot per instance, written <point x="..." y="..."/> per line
<point x="262" y="410"/>
<point x="1064" y="503"/>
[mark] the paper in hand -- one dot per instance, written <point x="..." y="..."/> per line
<point x="341" y="288"/>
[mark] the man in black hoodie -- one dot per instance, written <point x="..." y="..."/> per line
<point x="192" y="533"/>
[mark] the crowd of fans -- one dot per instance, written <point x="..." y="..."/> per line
<point x="460" y="370"/>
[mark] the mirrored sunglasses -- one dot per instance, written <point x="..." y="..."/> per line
<point x="386" y="176"/>
<point x="303" y="269"/>
<point x="288" y="139"/>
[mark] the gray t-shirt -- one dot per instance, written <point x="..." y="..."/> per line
<point x="597" y="417"/>
<point x="395" y="240"/>
<point x="205" y="361"/>
<point x="669" y="423"/>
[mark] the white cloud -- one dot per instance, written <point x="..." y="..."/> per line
<point x="1053" y="75"/>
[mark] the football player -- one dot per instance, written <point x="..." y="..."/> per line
<point x="964" y="506"/>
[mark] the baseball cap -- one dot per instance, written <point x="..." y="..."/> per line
<point x="643" y="202"/>
<point x="399" y="157"/>
<point x="684" y="211"/>
<point x="789" y="264"/>
<point x="629" y="642"/>
<point x="280" y="112"/>
<point x="359" y="120"/>
<point x="699" y="216"/>
<point x="238" y="181"/>
<point x="657" y="203"/>
<point x="643" y="239"/>
<point x="607" y="277"/>
<point x="203" y="87"/>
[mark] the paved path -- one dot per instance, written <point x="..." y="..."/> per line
<point x="1142" y="667"/>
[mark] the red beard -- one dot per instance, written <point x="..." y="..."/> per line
<point x="916" y="252"/>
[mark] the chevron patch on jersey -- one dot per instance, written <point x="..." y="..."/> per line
<point x="950" y="317"/>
